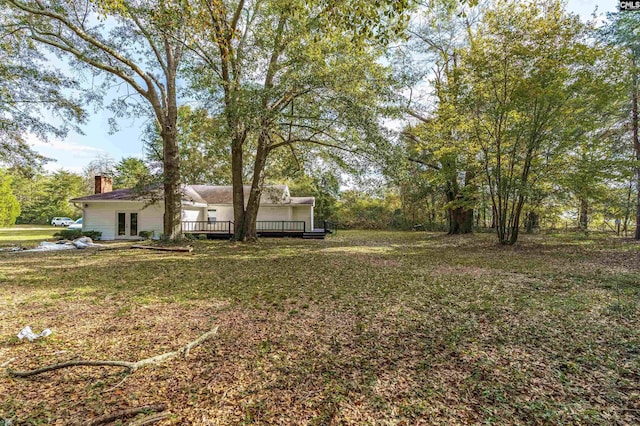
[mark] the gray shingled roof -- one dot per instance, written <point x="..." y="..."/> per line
<point x="117" y="195"/>
<point x="272" y="194"/>
<point x="189" y="194"/>
<point x="206" y="194"/>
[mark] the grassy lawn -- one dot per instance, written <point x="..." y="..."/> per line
<point x="26" y="235"/>
<point x="362" y="328"/>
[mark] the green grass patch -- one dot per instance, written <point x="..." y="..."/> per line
<point x="26" y="234"/>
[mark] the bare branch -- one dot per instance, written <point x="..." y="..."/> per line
<point x="424" y="163"/>
<point x="111" y="417"/>
<point x="131" y="366"/>
<point x="420" y="117"/>
<point x="91" y="40"/>
<point x="97" y="64"/>
<point x="236" y="17"/>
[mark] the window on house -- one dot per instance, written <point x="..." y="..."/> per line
<point x="122" y="225"/>
<point x="211" y="215"/>
<point x="134" y="224"/>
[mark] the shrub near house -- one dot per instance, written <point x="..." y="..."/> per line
<point x="72" y="234"/>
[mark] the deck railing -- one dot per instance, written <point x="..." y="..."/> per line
<point x="215" y="227"/>
<point x="280" y="226"/>
<point x="226" y="227"/>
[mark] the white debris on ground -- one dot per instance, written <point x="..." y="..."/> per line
<point x="31" y="336"/>
<point x="79" y="243"/>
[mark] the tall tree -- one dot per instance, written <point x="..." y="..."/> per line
<point x="288" y="73"/>
<point x="131" y="172"/>
<point x="139" y="43"/>
<point x="526" y="69"/>
<point x="440" y="141"/>
<point x="44" y="196"/>
<point x="622" y="32"/>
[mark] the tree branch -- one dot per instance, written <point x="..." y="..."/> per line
<point x="108" y="418"/>
<point x="131" y="366"/>
<point x="424" y="163"/>
<point x="236" y="17"/>
<point x="415" y="114"/>
<point x="91" y="40"/>
<point x="97" y="64"/>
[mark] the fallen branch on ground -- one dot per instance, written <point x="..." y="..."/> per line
<point x="7" y="362"/>
<point x="180" y="249"/>
<point x="149" y="420"/>
<point x="108" y="418"/>
<point x="131" y="366"/>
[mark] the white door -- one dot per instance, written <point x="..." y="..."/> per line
<point x="126" y="225"/>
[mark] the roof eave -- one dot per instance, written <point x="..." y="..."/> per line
<point x="194" y="203"/>
<point x="98" y="200"/>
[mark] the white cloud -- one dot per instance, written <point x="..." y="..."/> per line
<point x="66" y="146"/>
<point x="65" y="154"/>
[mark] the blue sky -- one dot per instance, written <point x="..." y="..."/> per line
<point x="75" y="151"/>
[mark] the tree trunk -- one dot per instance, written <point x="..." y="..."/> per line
<point x="583" y="219"/>
<point x="171" y="152"/>
<point x="494" y="223"/>
<point x="627" y="210"/>
<point x="238" y="191"/>
<point x="248" y="231"/>
<point x="172" y="191"/>
<point x="460" y="220"/>
<point x="484" y="216"/>
<point x="432" y="210"/>
<point x="636" y="145"/>
<point x="532" y="222"/>
<point x="517" y="213"/>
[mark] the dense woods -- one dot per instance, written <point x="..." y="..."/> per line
<point x="439" y="115"/>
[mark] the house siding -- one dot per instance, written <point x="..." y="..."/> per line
<point x="274" y="213"/>
<point x="191" y="213"/>
<point x="101" y="217"/>
<point x="224" y="213"/>
<point x="303" y="213"/>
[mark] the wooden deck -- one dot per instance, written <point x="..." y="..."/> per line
<point x="270" y="228"/>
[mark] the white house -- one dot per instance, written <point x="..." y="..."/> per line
<point x="123" y="214"/>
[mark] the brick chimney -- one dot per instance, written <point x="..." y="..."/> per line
<point x="103" y="184"/>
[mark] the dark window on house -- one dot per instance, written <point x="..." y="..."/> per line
<point x="134" y="224"/>
<point x="122" y="225"/>
<point x="212" y="215"/>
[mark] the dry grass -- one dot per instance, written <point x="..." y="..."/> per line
<point x="363" y="328"/>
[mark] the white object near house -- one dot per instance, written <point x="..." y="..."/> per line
<point x="123" y="213"/>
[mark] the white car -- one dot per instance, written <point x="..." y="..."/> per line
<point x="76" y="225"/>
<point x="61" y="221"/>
